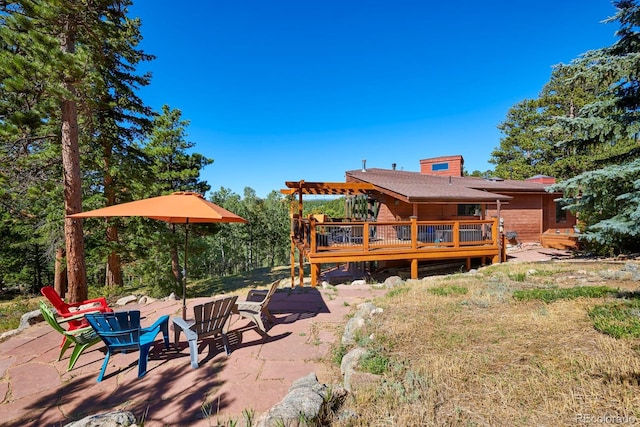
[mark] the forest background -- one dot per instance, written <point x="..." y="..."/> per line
<point x="74" y="136"/>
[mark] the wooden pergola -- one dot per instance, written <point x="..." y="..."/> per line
<point x="302" y="188"/>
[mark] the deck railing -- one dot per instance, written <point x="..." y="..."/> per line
<point x="381" y="235"/>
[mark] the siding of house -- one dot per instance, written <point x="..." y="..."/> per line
<point x="390" y="211"/>
<point x="436" y="166"/>
<point x="523" y="214"/>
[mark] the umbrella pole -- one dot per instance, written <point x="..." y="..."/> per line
<point x="184" y="284"/>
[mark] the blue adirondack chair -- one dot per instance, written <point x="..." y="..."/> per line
<point x="121" y="332"/>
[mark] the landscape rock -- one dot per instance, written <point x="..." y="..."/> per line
<point x="30" y="318"/>
<point x="393" y="281"/>
<point x="607" y="274"/>
<point x="362" y="380"/>
<point x="353" y="325"/>
<point x="302" y="403"/>
<point x="127" y="300"/>
<point x="365" y="311"/>
<point x="27" y="319"/>
<point x="108" y="419"/>
<point x="630" y="266"/>
<point x="349" y="365"/>
<point x="146" y="300"/>
<point x="359" y="282"/>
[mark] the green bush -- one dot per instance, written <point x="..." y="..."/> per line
<point x="374" y="362"/>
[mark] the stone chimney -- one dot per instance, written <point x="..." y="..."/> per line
<point x="445" y="165"/>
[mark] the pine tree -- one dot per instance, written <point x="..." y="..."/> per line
<point x="607" y="199"/>
<point x="172" y="168"/>
<point x="530" y="143"/>
<point x="118" y="117"/>
<point x="69" y="63"/>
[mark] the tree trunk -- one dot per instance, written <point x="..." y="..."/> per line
<point x="114" y="271"/>
<point x="37" y="266"/>
<point x="76" y="271"/>
<point x="60" y="275"/>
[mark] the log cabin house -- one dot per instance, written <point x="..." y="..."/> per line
<point x="396" y="218"/>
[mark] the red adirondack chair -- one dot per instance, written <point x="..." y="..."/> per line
<point x="66" y="310"/>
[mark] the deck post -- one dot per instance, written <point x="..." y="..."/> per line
<point x="414" y="234"/>
<point x="301" y="269"/>
<point x="414" y="268"/>
<point x="468" y="264"/>
<point x="315" y="272"/>
<point x="312" y="233"/>
<point x="293" y="264"/>
<point x="365" y="236"/>
<point x="503" y="244"/>
<point x="456" y="234"/>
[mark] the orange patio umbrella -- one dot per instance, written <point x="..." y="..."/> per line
<point x="180" y="207"/>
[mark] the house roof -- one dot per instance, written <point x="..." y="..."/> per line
<point x="415" y="187"/>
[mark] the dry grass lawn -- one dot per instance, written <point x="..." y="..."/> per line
<point x="461" y="351"/>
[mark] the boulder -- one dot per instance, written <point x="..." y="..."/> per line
<point x="393" y="281"/>
<point x="364" y="312"/>
<point x="349" y="365"/>
<point x="108" y="419"/>
<point x="303" y="403"/>
<point x="127" y="300"/>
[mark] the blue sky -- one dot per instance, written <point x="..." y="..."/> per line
<point x="288" y="90"/>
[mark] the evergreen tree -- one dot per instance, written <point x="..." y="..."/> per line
<point x="607" y="199"/>
<point x="530" y="143"/>
<point x="67" y="63"/>
<point x="171" y="168"/>
<point x="118" y="117"/>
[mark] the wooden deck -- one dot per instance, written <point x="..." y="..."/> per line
<point x="565" y="238"/>
<point x="414" y="241"/>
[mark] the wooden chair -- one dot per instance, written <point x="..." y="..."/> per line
<point x="73" y="311"/>
<point x="209" y="320"/>
<point x="256" y="306"/>
<point x="81" y="338"/>
<point x="121" y="332"/>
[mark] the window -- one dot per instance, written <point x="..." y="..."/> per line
<point x="468" y="210"/>
<point x="561" y="214"/>
<point x="440" y="167"/>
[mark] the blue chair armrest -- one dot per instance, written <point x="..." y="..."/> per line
<point x="148" y="335"/>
